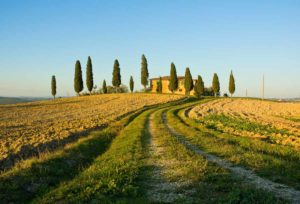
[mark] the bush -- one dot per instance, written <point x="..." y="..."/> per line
<point x="148" y="90"/>
<point x="112" y="89"/>
<point x="208" y="91"/>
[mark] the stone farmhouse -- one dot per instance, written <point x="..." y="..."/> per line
<point x="165" y="85"/>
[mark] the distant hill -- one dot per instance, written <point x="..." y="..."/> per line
<point x="285" y="99"/>
<point x="291" y="99"/>
<point x="13" y="100"/>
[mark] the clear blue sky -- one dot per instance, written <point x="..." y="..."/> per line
<point x="42" y="38"/>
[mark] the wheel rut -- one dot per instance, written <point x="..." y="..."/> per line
<point x="158" y="188"/>
<point x="279" y="190"/>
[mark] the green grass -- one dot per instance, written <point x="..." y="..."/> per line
<point x="295" y="119"/>
<point x="37" y="176"/>
<point x="242" y="124"/>
<point x="276" y="162"/>
<point x="111" y="175"/>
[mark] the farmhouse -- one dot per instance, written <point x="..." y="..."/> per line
<point x="165" y="85"/>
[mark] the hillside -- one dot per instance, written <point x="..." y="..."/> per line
<point x="14" y="100"/>
<point x="27" y="128"/>
<point x="151" y="148"/>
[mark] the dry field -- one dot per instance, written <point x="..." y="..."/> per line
<point x="44" y="124"/>
<point x="272" y="121"/>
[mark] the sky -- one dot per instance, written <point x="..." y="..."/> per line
<point x="39" y="39"/>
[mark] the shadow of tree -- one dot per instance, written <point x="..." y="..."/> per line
<point x="28" y="151"/>
<point x="23" y="184"/>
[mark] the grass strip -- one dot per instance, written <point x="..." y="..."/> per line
<point x="112" y="174"/>
<point x="243" y="124"/>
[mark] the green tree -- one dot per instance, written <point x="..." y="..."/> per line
<point x="216" y="84"/>
<point x="116" y="80"/>
<point x="159" y="85"/>
<point x="89" y="75"/>
<point x="231" y="84"/>
<point x="78" y="83"/>
<point x="144" y="72"/>
<point x="199" y="87"/>
<point x="104" y="88"/>
<point x="188" y="81"/>
<point x="173" y="82"/>
<point x="53" y="86"/>
<point x="131" y="84"/>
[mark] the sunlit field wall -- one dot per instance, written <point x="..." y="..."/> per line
<point x="33" y="127"/>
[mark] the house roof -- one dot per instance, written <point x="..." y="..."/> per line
<point x="168" y="77"/>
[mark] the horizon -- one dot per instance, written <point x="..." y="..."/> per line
<point x="41" y="39"/>
<point x="51" y="98"/>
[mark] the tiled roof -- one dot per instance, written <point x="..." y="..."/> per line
<point x="167" y="78"/>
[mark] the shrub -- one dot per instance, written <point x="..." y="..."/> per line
<point x="120" y="89"/>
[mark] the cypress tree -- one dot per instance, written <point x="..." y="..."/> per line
<point x="89" y="75"/>
<point x="104" y="88"/>
<point x="131" y="84"/>
<point x="202" y="88"/>
<point x="159" y="85"/>
<point x="53" y="86"/>
<point x="196" y="89"/>
<point x="188" y="81"/>
<point x="173" y="82"/>
<point x="116" y="80"/>
<point x="231" y="84"/>
<point x="78" y="83"/>
<point x="199" y="87"/>
<point x="216" y="84"/>
<point x="144" y="72"/>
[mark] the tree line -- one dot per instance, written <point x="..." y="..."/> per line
<point x="198" y="87"/>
